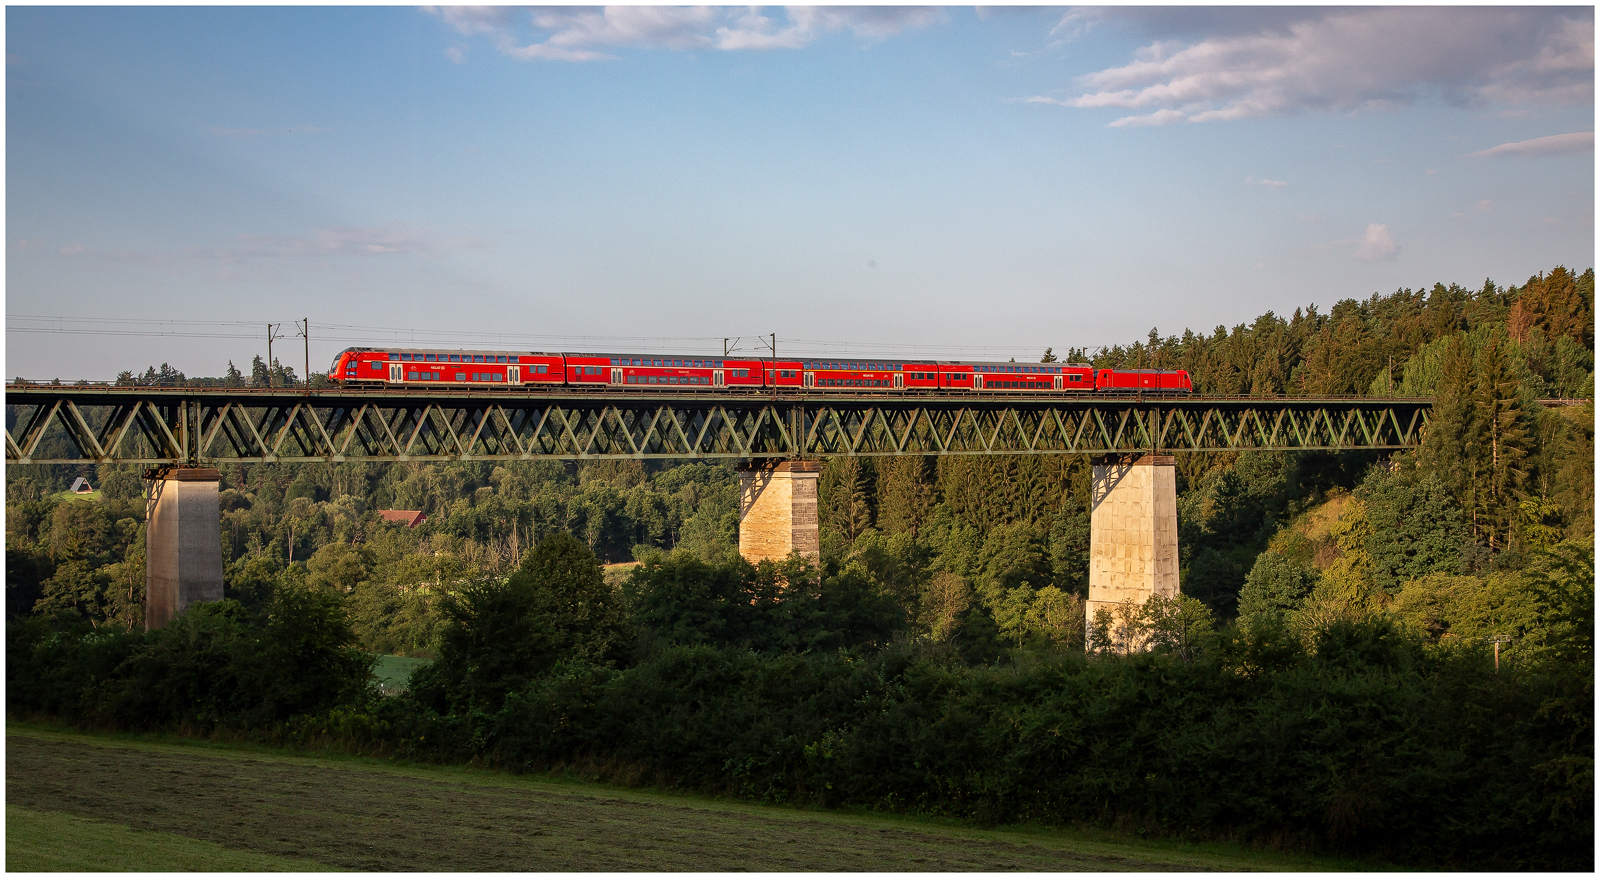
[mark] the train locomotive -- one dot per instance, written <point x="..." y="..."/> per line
<point x="494" y="370"/>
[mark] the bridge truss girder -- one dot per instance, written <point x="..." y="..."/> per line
<point x="213" y="426"/>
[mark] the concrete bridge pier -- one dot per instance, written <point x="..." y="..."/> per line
<point x="183" y="542"/>
<point x="778" y="510"/>
<point x="1133" y="531"/>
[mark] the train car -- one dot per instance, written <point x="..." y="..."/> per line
<point x="372" y="367"/>
<point x="852" y="374"/>
<point x="1142" y="381"/>
<point x="956" y="376"/>
<point x="921" y="376"/>
<point x="360" y="367"/>
<point x="657" y="372"/>
<point x="1033" y="377"/>
<point x="749" y="372"/>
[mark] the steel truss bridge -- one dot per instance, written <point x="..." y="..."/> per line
<point x="212" y="426"/>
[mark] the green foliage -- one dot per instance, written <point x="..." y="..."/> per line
<point x="1414" y="526"/>
<point x="1275" y="586"/>
<point x="215" y="665"/>
<point x="787" y="607"/>
<point x="499" y="635"/>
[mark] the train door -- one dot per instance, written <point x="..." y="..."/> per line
<point x="977" y="381"/>
<point x="899" y="381"/>
<point x="397" y="372"/>
<point x="716" y="378"/>
<point x="514" y="374"/>
<point x="616" y="376"/>
<point x="1058" y="381"/>
<point x="810" y="379"/>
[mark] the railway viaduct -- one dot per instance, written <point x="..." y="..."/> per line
<point x="779" y="440"/>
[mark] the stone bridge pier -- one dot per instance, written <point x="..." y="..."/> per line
<point x="778" y="510"/>
<point x="1133" y="531"/>
<point x="183" y="541"/>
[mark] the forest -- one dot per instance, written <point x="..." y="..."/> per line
<point x="1382" y="654"/>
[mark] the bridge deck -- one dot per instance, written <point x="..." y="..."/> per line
<point x="213" y="425"/>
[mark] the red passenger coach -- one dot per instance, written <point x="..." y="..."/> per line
<point x="921" y="376"/>
<point x="664" y="373"/>
<point x="358" y="367"/>
<point x="956" y="376"/>
<point x="832" y="374"/>
<point x="1036" y="377"/>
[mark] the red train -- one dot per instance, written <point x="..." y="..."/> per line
<point x="411" y="367"/>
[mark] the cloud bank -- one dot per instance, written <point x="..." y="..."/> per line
<point x="1346" y="60"/>
<point x="1556" y="144"/>
<point x="585" y="34"/>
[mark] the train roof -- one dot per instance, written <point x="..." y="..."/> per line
<point x="496" y="351"/>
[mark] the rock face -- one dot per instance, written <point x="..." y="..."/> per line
<point x="778" y="510"/>
<point x="1133" y="533"/>
<point x="183" y="543"/>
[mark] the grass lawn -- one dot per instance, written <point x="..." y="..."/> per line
<point x="51" y="841"/>
<point x="67" y="790"/>
<point x="68" y="495"/>
<point x="393" y="670"/>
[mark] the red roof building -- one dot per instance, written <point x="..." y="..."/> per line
<point x="407" y="517"/>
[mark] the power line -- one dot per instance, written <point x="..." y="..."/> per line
<point x="360" y="334"/>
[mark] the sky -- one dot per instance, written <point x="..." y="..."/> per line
<point x="939" y="182"/>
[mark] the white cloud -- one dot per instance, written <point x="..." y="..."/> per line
<point x="583" y="34"/>
<point x="456" y="54"/>
<point x="1349" y="60"/>
<point x="1275" y="184"/>
<point x="1555" y="144"/>
<point x="1485" y="205"/>
<point x="1376" y="244"/>
<point x="345" y="241"/>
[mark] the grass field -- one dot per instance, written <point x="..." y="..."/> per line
<point x="93" y="496"/>
<point x="393" y="670"/>
<point x="77" y="801"/>
<point x="50" y="841"/>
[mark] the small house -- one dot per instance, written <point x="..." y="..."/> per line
<point x="82" y="486"/>
<point x="408" y="517"/>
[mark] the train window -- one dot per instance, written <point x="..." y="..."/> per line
<point x="432" y="357"/>
<point x="542" y="369"/>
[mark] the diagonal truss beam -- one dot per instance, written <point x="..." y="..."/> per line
<point x="48" y="424"/>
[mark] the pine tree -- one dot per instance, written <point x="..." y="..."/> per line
<point x="260" y="376"/>
<point x="1504" y="444"/>
<point x="233" y="378"/>
<point x="1477" y="439"/>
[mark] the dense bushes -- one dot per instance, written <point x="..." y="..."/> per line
<point x="217" y="665"/>
<point x="1368" y="741"/>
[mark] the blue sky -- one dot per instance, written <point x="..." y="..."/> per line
<point x="946" y="181"/>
